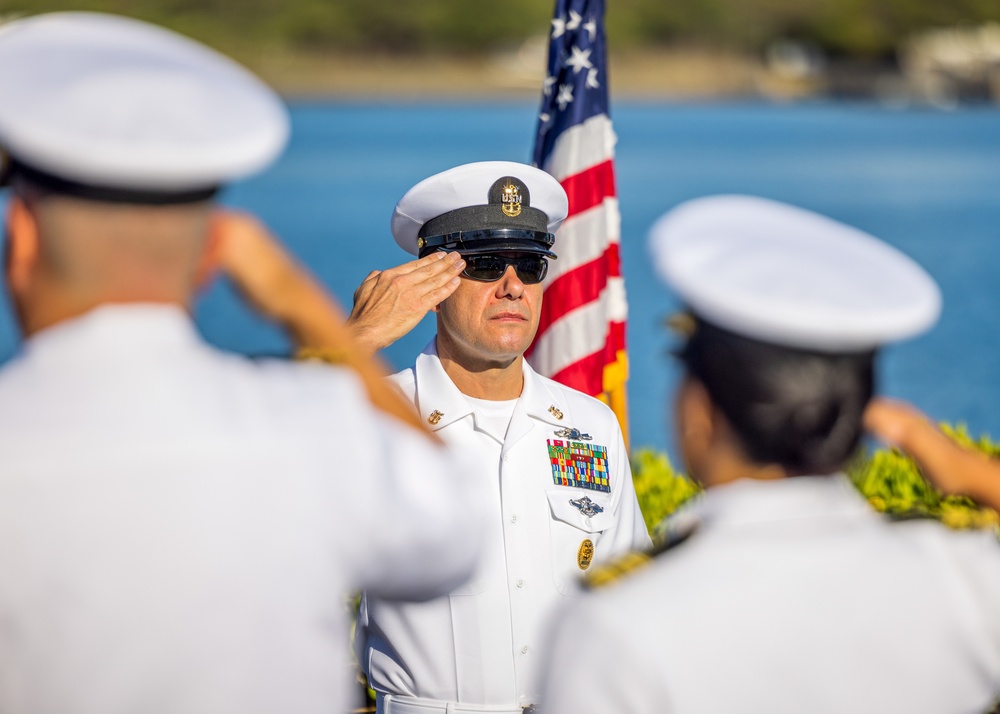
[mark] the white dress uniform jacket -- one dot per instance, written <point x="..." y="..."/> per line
<point x="791" y="596"/>
<point x="178" y="526"/>
<point x="482" y="644"/>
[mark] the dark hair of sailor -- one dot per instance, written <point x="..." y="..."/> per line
<point x="795" y="408"/>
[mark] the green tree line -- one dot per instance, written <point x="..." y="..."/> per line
<point x="855" y="28"/>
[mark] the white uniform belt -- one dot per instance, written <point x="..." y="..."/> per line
<point x="392" y="704"/>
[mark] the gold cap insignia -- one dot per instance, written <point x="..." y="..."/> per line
<point x="585" y="554"/>
<point x="555" y="412"/>
<point x="435" y="417"/>
<point x="682" y="323"/>
<point x="510" y="200"/>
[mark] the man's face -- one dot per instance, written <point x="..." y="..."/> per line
<point x="490" y="323"/>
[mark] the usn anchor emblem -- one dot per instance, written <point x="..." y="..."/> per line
<point x="510" y="200"/>
<point x="586" y="506"/>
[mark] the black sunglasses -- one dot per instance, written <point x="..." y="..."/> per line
<point x="487" y="268"/>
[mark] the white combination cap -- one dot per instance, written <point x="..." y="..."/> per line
<point x="791" y="277"/>
<point x="104" y="101"/>
<point x="481" y="207"/>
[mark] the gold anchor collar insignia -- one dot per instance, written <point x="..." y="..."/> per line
<point x="554" y="411"/>
<point x="435" y="417"/>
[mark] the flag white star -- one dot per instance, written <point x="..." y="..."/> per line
<point x="592" y="82"/>
<point x="574" y="20"/>
<point x="565" y="96"/>
<point x="579" y="60"/>
<point x="558" y="27"/>
<point x="547" y="85"/>
<point x="591" y="28"/>
<point x="544" y="118"/>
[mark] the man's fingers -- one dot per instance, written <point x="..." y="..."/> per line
<point x="429" y="276"/>
<point x="429" y="263"/>
<point x="439" y="294"/>
<point x="441" y="274"/>
<point x="438" y="286"/>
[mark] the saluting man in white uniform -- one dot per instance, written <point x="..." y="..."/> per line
<point x="178" y="526"/>
<point x="550" y="460"/>
<point x="784" y="591"/>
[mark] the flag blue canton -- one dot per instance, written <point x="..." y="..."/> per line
<point x="575" y="87"/>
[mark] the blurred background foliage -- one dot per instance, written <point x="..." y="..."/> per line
<point x="890" y="481"/>
<point x="853" y="28"/>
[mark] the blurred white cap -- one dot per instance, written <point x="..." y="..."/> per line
<point x="788" y="276"/>
<point x="107" y="101"/>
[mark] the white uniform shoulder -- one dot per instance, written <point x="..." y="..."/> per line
<point x="290" y="385"/>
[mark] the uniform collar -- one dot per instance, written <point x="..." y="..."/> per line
<point x="437" y="395"/>
<point x="113" y="329"/>
<point x="749" y="501"/>
<point x="438" y="400"/>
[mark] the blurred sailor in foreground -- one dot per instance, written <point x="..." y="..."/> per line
<point x="550" y="460"/>
<point x="783" y="590"/>
<point x="178" y="525"/>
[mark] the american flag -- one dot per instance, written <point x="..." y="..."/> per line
<point x="581" y="336"/>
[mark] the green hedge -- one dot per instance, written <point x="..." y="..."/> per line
<point x="890" y="481"/>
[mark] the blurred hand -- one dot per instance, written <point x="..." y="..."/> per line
<point x="951" y="468"/>
<point x="390" y="303"/>
<point x="895" y="422"/>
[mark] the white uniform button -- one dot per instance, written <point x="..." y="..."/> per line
<point x="513" y="519"/>
<point x="519" y="583"/>
<point x="524" y="650"/>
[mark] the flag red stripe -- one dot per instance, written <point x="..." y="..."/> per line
<point x="578" y="287"/>
<point x="586" y="375"/>
<point x="589" y="187"/>
<point x="616" y="341"/>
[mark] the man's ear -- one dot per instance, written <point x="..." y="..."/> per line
<point x="697" y="414"/>
<point x="211" y="253"/>
<point x="22" y="250"/>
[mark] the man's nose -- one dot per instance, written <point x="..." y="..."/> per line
<point x="509" y="285"/>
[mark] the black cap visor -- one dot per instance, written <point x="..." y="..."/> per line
<point x="494" y="240"/>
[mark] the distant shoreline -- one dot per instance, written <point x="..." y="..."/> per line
<point x="646" y="75"/>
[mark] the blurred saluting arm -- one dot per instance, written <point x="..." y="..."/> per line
<point x="952" y="468"/>
<point x="284" y="291"/>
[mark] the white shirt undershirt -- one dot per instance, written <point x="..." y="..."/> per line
<point x="497" y="414"/>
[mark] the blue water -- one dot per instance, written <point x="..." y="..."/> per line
<point x="926" y="181"/>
